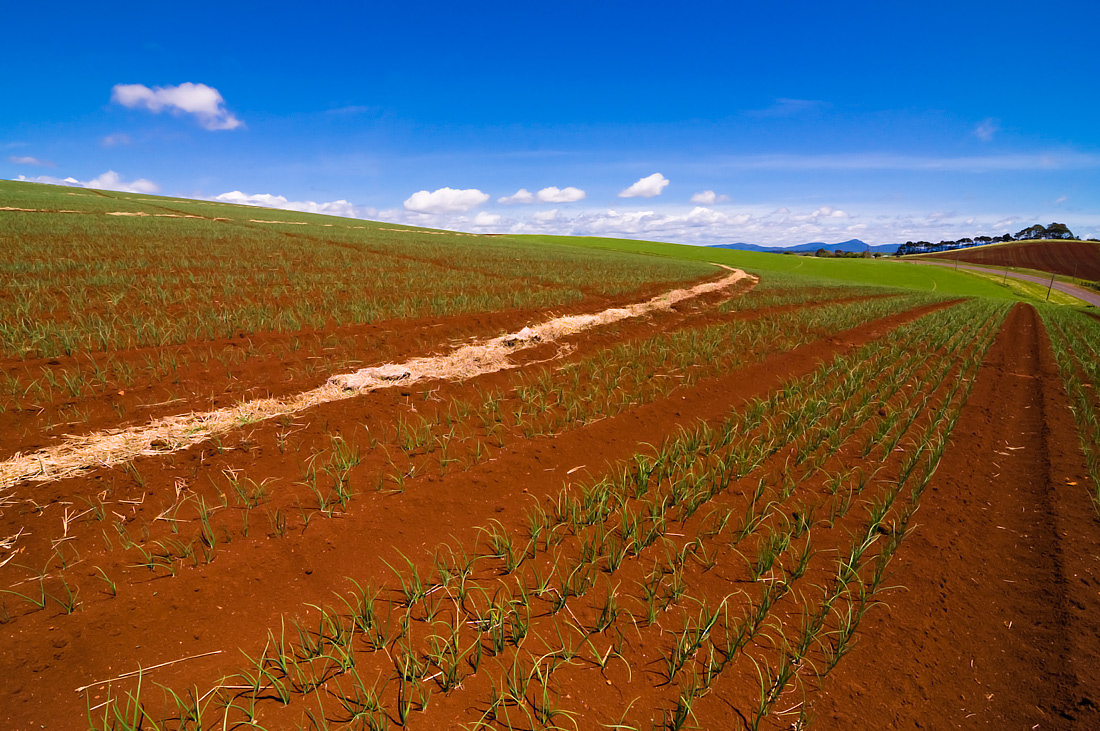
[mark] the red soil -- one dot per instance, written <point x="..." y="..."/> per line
<point x="999" y="570"/>
<point x="233" y="601"/>
<point x="1070" y="258"/>
<point x="997" y="625"/>
<point x="258" y="365"/>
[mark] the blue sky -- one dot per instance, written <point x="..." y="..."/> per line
<point x="775" y="123"/>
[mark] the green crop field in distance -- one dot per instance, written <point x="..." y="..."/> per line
<point x="854" y="271"/>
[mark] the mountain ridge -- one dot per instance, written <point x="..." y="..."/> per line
<point x="851" y="245"/>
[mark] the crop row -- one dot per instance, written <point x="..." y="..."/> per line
<point x="1075" y="339"/>
<point x="766" y="498"/>
<point x="462" y="433"/>
<point x="780" y="290"/>
<point x="459" y="433"/>
<point x="75" y="283"/>
<point x="72" y="387"/>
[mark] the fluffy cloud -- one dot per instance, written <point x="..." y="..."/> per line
<point x="545" y="216"/>
<point x="565" y="195"/>
<point x="987" y="129"/>
<point x="708" y="198"/>
<point x="699" y="225"/>
<point x="647" y="187"/>
<point x="109" y="180"/>
<point x="204" y="102"/>
<point x="486" y="219"/>
<point x="445" y="200"/>
<point x="520" y="196"/>
<point x="266" y="200"/>
<point x="828" y="212"/>
<point x="28" y="160"/>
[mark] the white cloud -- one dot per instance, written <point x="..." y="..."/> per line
<point x="708" y="198"/>
<point x="987" y="129"/>
<point x="763" y="224"/>
<point x="28" y="160"/>
<point x="700" y="225"/>
<point x="445" y="200"/>
<point x="1061" y="199"/>
<point x="647" y="187"/>
<point x="115" y="140"/>
<point x="486" y="219"/>
<point x="205" y="102"/>
<point x="565" y="195"/>
<point x="109" y="180"/>
<point x="266" y="200"/>
<point x="828" y="212"/>
<point x="520" y="196"/>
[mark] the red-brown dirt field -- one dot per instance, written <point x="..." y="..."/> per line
<point x="997" y="624"/>
<point x="995" y="621"/>
<point x="1069" y="258"/>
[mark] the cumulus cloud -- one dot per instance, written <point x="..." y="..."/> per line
<point x="445" y="200"/>
<point x="520" y="196"/>
<point x="109" y="180"/>
<point x="828" y="212"/>
<point x="332" y="208"/>
<point x="486" y="219"/>
<point x="564" y="195"/>
<point x="708" y="198"/>
<point x="987" y="129"/>
<point x="28" y="160"/>
<point x="202" y="101"/>
<point x="765" y="225"/>
<point x="115" y="140"/>
<point x="699" y="225"/>
<point x="647" y="187"/>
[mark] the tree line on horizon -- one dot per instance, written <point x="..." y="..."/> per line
<point x="1037" y="231"/>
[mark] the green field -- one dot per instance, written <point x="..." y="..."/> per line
<point x="853" y="271"/>
<point x="95" y="271"/>
<point x="98" y="270"/>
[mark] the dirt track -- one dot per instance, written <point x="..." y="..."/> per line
<point x="1085" y="295"/>
<point x="999" y="622"/>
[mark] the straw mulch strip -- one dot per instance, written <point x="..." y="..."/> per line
<point x="106" y="449"/>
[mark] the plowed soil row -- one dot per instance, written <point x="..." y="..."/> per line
<point x="999" y="623"/>
<point x="259" y="365"/>
<point x="231" y="602"/>
<point x="1070" y="258"/>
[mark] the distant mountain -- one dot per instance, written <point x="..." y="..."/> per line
<point x="851" y="245"/>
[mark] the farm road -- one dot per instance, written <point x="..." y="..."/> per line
<point x="997" y="627"/>
<point x="1093" y="298"/>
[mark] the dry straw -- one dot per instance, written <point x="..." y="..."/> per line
<point x="106" y="449"/>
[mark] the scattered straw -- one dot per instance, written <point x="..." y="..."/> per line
<point x="142" y="671"/>
<point x="173" y="433"/>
